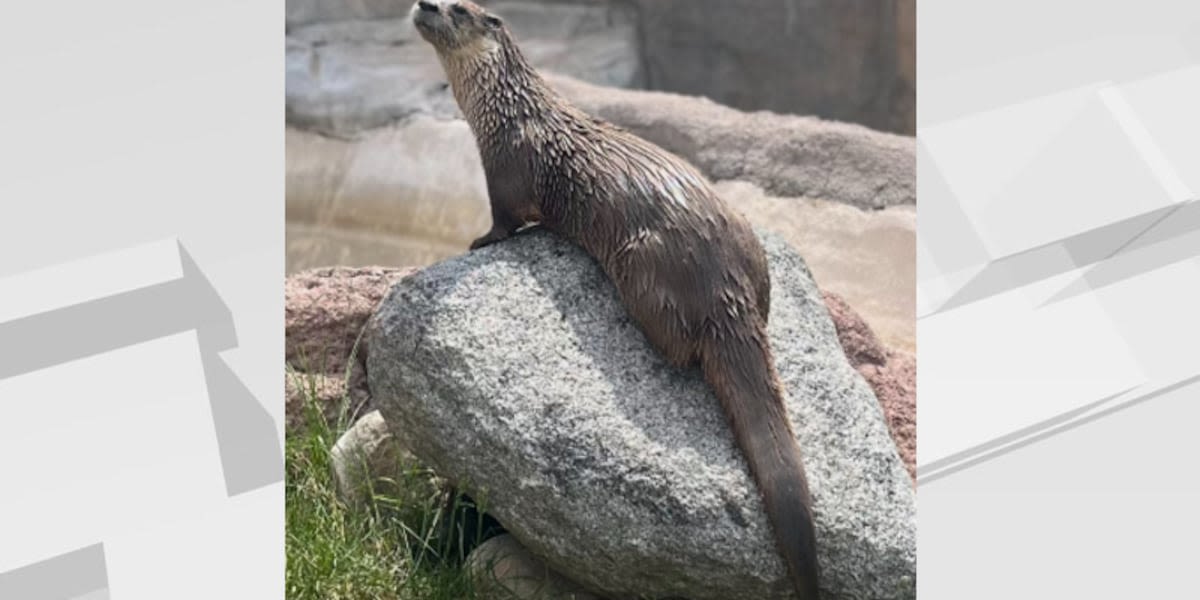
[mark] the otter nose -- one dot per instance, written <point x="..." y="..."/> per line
<point x="427" y="6"/>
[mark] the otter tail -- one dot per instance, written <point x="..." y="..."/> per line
<point x="741" y="372"/>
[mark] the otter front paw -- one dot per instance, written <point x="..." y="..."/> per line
<point x="491" y="238"/>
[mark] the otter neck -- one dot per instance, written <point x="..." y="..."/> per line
<point x="495" y="87"/>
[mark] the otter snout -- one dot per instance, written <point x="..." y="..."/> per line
<point x="451" y="25"/>
<point x="427" y="16"/>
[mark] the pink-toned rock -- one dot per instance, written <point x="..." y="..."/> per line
<point x="891" y="374"/>
<point x="326" y="393"/>
<point x="858" y="341"/>
<point x="325" y="311"/>
<point x="895" y="385"/>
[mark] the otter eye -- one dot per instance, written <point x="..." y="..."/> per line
<point x="493" y="22"/>
<point x="458" y="9"/>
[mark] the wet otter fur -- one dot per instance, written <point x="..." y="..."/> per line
<point x="689" y="269"/>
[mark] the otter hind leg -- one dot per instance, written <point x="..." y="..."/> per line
<point x="673" y="340"/>
<point x="670" y="325"/>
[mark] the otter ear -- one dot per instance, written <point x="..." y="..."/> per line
<point x="493" y="22"/>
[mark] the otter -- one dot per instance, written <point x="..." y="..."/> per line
<point x="688" y="269"/>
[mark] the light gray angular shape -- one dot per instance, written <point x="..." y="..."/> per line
<point x="515" y="371"/>
<point x="1191" y="40"/>
<point x="1095" y="502"/>
<point x="947" y="232"/>
<point x="1071" y="185"/>
<point x="1087" y="248"/>
<point x="1041" y="510"/>
<point x="1006" y="443"/>
<point x="95" y="595"/>
<point x="1043" y="430"/>
<point x="246" y="434"/>
<point x="1160" y="113"/>
<point x="78" y="574"/>
<point x="970" y="62"/>
<point x="107" y="323"/>
<point x="1172" y="239"/>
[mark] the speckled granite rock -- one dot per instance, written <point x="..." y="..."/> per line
<point x="895" y="384"/>
<point x="515" y="372"/>
<point x="891" y="374"/>
<point x="325" y="310"/>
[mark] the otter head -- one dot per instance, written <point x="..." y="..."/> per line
<point x="453" y="26"/>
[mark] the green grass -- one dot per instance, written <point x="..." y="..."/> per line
<point x="396" y="547"/>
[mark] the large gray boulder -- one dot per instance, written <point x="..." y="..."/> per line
<point x="515" y="371"/>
